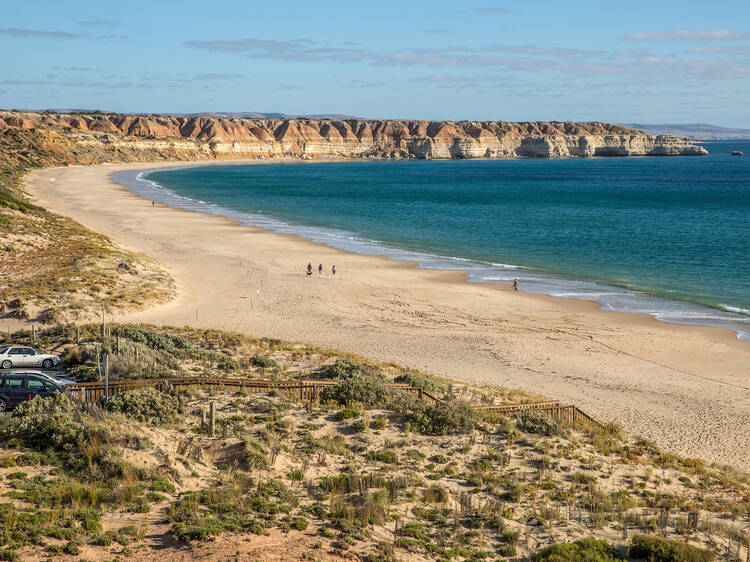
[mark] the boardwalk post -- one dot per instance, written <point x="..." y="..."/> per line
<point x="212" y="419"/>
<point x="105" y="363"/>
<point x="33" y="332"/>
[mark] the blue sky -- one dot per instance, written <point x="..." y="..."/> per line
<point x="655" y="62"/>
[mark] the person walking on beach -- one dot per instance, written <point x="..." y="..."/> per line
<point x="515" y="284"/>
<point x="333" y="269"/>
<point x="320" y="269"/>
<point x="309" y="269"/>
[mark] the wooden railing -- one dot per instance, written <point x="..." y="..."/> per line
<point x="307" y="390"/>
<point x="92" y="392"/>
<point x="563" y="413"/>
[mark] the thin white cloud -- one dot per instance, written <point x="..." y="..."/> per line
<point x="211" y="76"/>
<point x="630" y="66"/>
<point x="534" y="50"/>
<point x="17" y="32"/>
<point x="733" y="50"/>
<point x="688" y="35"/>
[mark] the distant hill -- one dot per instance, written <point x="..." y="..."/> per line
<point x="697" y="131"/>
<point x="223" y="114"/>
<point x="256" y="115"/>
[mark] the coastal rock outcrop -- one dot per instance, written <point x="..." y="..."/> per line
<point x="188" y="138"/>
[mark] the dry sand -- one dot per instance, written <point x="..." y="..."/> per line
<point x="685" y="387"/>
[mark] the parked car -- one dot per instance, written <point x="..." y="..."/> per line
<point x="22" y="356"/>
<point x="17" y="387"/>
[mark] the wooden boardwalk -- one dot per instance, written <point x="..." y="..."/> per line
<point x="563" y="413"/>
<point x="92" y="392"/>
<point x="305" y="390"/>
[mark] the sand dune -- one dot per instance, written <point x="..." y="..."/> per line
<point x="687" y="388"/>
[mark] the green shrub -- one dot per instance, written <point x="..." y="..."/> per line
<point x="343" y="369"/>
<point x="146" y="405"/>
<point x="360" y="389"/>
<point x="442" y="418"/>
<point x="425" y="382"/>
<point x="84" y="373"/>
<point x="263" y="361"/>
<point x="538" y="423"/>
<point x="657" y="549"/>
<point x="378" y="422"/>
<point x="582" y="550"/>
<point x="386" y="456"/>
<point x="299" y="523"/>
<point x="41" y="423"/>
<point x="346" y="414"/>
<point x="360" y="426"/>
<point x="154" y="338"/>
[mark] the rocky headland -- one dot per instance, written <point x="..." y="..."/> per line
<point x="97" y="137"/>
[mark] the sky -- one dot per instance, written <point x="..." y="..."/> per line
<point x="655" y="61"/>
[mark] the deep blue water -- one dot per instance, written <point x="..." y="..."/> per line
<point x="658" y="235"/>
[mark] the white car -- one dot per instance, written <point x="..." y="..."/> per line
<point x="21" y="356"/>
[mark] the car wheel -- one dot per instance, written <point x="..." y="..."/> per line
<point x="6" y="364"/>
<point x="3" y="405"/>
<point x="47" y="363"/>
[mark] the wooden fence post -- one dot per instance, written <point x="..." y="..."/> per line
<point x="212" y="419"/>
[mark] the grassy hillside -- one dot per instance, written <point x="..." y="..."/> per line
<point x="52" y="269"/>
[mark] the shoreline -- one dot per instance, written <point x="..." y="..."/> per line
<point x="620" y="297"/>
<point x="626" y="367"/>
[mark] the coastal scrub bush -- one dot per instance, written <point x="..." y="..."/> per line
<point x="346" y="414"/>
<point x="425" y="382"/>
<point x="146" y="405"/>
<point x="155" y="339"/>
<point x="359" y="389"/>
<point x="41" y="423"/>
<point x="442" y="418"/>
<point x="346" y="368"/>
<point x="657" y="549"/>
<point x="587" y="549"/>
<point x="263" y="361"/>
<point x="538" y="423"/>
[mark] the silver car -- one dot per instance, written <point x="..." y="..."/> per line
<point x="22" y="356"/>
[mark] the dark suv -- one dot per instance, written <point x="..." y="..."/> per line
<point x="19" y="387"/>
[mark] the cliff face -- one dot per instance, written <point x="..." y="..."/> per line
<point x="138" y="137"/>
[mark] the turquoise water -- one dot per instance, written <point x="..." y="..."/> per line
<point x="667" y="236"/>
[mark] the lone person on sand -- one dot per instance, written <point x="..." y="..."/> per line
<point x="515" y="284"/>
<point x="309" y="269"/>
<point x="333" y="269"/>
<point x="320" y="269"/>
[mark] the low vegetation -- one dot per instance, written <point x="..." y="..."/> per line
<point x="369" y="471"/>
<point x="52" y="269"/>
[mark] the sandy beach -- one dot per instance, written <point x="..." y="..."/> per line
<point x="685" y="387"/>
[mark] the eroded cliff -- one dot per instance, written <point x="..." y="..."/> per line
<point x="141" y="137"/>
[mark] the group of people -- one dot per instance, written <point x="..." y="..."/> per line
<point x="320" y="269"/>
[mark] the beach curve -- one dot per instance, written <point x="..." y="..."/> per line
<point x="686" y="387"/>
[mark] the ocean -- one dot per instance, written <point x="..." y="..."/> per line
<point x="666" y="236"/>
